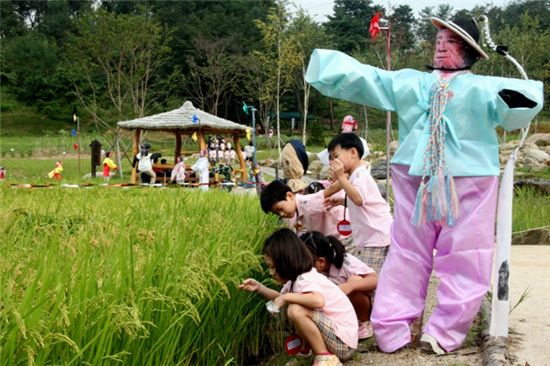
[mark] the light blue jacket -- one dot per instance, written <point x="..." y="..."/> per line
<point x="473" y="111"/>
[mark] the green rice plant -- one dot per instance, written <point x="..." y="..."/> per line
<point x="130" y="276"/>
<point x="531" y="209"/>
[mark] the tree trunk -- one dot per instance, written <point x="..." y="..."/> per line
<point x="331" y="112"/>
<point x="304" y="115"/>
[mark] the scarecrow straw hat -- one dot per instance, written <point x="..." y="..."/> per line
<point x="465" y="29"/>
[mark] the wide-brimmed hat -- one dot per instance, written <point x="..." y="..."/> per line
<point x="465" y="29"/>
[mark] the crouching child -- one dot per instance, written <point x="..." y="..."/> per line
<point x="320" y="312"/>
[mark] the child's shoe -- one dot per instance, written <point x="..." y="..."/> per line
<point x="326" y="360"/>
<point x="365" y="330"/>
<point x="429" y="344"/>
<point x="304" y="352"/>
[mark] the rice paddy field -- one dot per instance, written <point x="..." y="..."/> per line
<point x="141" y="276"/>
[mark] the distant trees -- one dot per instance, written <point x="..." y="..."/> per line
<point x="279" y="58"/>
<point x="113" y="59"/>
<point x="124" y="59"/>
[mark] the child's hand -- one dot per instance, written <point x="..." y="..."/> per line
<point x="332" y="201"/>
<point x="336" y="169"/>
<point x="279" y="301"/>
<point x="250" y="285"/>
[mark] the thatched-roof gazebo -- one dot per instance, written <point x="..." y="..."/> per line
<point x="187" y="120"/>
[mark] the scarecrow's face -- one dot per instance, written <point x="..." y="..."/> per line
<point x="449" y="50"/>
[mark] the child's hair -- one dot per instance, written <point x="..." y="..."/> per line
<point x="347" y="141"/>
<point x="328" y="247"/>
<point x="289" y="254"/>
<point x="107" y="153"/>
<point x="274" y="192"/>
<point x="313" y="187"/>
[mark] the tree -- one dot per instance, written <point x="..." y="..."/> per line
<point x="349" y="26"/>
<point x="117" y="58"/>
<point x="402" y="21"/>
<point x="211" y="73"/>
<point x="279" y="58"/>
<point x="308" y="35"/>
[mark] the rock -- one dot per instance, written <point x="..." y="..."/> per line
<point x="269" y="162"/>
<point x="378" y="169"/>
<point x="393" y="147"/>
<point x="508" y="146"/>
<point x="315" y="167"/>
<point x="539" y="139"/>
<point x="324" y="173"/>
<point x="537" y="155"/>
<point x="541" y="185"/>
<point x="529" y="145"/>
<point x="539" y="236"/>
<point x="312" y="156"/>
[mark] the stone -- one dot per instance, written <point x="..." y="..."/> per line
<point x="393" y="147"/>
<point x="539" y="236"/>
<point x="324" y="173"/>
<point x="378" y="169"/>
<point x="541" y="185"/>
<point x="537" y="155"/>
<point x="315" y="167"/>
<point x="539" y="139"/>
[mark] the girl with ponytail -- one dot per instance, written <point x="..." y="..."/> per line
<point x="356" y="279"/>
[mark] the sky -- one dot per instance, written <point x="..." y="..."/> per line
<point x="319" y="9"/>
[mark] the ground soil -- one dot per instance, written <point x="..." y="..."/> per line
<point x="530" y="320"/>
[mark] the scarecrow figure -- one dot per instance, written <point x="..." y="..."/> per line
<point x="144" y="161"/>
<point x="294" y="161"/>
<point x="56" y="172"/>
<point x="445" y="178"/>
<point x="201" y="167"/>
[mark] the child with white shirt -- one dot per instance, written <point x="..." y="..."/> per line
<point x="369" y="214"/>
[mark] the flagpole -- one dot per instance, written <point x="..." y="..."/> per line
<point x="78" y="142"/>
<point x="388" y="113"/>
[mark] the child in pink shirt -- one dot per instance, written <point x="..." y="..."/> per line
<point x="303" y="212"/>
<point x="369" y="213"/>
<point x="321" y="313"/>
<point x="356" y="279"/>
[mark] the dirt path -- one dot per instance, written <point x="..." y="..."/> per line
<point x="530" y="321"/>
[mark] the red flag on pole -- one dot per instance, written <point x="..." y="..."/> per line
<point x="374" y="28"/>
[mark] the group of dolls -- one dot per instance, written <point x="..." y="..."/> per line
<point x="220" y="151"/>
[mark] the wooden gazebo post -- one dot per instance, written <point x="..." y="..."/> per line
<point x="242" y="163"/>
<point x="177" y="151"/>
<point x="202" y="143"/>
<point x="135" y="150"/>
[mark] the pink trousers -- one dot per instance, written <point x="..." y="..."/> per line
<point x="462" y="261"/>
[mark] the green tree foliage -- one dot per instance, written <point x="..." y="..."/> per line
<point x="308" y="35"/>
<point x="279" y="58"/>
<point x="31" y="60"/>
<point x="118" y="56"/>
<point x="214" y="53"/>
<point x="402" y="21"/>
<point x="212" y="73"/>
<point x="349" y="26"/>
